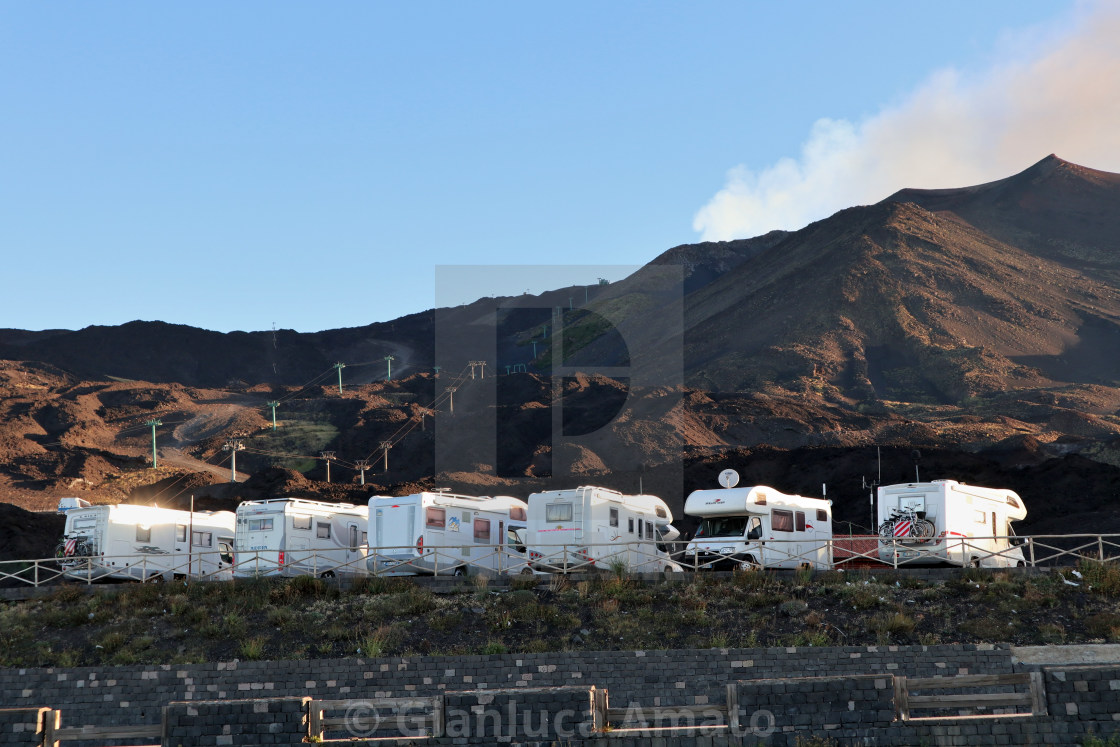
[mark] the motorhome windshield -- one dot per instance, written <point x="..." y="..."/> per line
<point x="723" y="526"/>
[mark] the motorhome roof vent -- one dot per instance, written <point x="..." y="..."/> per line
<point x="1012" y="502"/>
<point x="760" y="498"/>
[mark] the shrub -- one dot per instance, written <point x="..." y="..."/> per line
<point x="1101" y="578"/>
<point x="493" y="648"/>
<point x="252" y="648"/>
<point x="1103" y="625"/>
<point x="793" y="607"/>
<point x="1051" y="633"/>
<point x="989" y="628"/>
<point x="895" y="624"/>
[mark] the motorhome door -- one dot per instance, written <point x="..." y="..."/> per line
<point x="353" y="548"/>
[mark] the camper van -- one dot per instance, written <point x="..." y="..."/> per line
<point x="145" y="542"/>
<point x="446" y="533"/>
<point x="297" y="537"/>
<point x="944" y="521"/>
<point x="590" y="528"/>
<point x="758" y="526"/>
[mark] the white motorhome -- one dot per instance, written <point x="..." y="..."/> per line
<point x="758" y="526"/>
<point x="297" y="537"/>
<point x="945" y="521"/>
<point x="446" y="533"/>
<point x="145" y="542"/>
<point x="590" y="528"/>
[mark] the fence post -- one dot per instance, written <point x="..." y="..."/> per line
<point x="1030" y="541"/>
<point x="1038" y="694"/>
<point x="901" y="699"/>
<point x="52" y="721"/>
<point x="314" y="720"/>
<point x="1100" y="547"/>
<point x="733" y="708"/>
<point x="599" y="705"/>
<point x="438" y="716"/>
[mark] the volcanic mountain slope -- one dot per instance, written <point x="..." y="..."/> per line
<point x="894" y="302"/>
<point x="1055" y="209"/>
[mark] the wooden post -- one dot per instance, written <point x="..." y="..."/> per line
<point x="599" y="706"/>
<point x="901" y="699"/>
<point x="733" y="707"/>
<point x="315" y="720"/>
<point x="1038" y="694"/>
<point x="438" y="716"/>
<point x="52" y="720"/>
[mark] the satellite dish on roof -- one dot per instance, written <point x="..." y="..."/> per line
<point x="729" y="478"/>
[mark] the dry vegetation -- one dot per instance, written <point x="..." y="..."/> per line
<point x="308" y="618"/>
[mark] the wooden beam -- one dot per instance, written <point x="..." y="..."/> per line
<point x="142" y="731"/>
<point x="970" y="700"/>
<point x="966" y="680"/>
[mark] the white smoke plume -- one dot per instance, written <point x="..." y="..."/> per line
<point x="1062" y="97"/>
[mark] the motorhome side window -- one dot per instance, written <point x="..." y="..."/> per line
<point x="202" y="539"/>
<point x="143" y="534"/>
<point x="781" y="521"/>
<point x="614" y="517"/>
<point x="558" y="512"/>
<point x="649" y="530"/>
<point x="800" y="521"/>
<point x="353" y="536"/>
<point x="517" y="513"/>
<point x="981" y="517"/>
<point x="180" y="532"/>
<point x="631" y="522"/>
<point x="322" y="531"/>
<point x="435" y="518"/>
<point x="822" y="515"/>
<point x="301" y="522"/>
<point x="260" y="525"/>
<point x="482" y="531"/>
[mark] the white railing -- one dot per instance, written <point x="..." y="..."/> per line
<point x="838" y="553"/>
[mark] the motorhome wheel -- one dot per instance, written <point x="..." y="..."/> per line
<point x="326" y="574"/>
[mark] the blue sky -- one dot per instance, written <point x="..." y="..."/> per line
<point x="235" y="165"/>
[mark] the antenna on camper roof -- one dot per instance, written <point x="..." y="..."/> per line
<point x="870" y="486"/>
<point x="917" y="457"/>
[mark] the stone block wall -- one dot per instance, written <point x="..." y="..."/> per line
<point x="831" y="704"/>
<point x="209" y="723"/>
<point x="137" y="694"/>
<point x="22" y="727"/>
